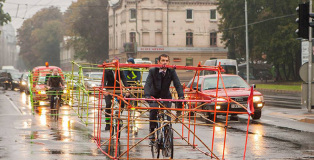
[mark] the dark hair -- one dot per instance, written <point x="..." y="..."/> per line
<point x="163" y="55"/>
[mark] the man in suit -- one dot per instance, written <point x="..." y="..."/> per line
<point x="157" y="85"/>
<point x="109" y="80"/>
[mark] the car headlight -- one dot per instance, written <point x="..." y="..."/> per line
<point x="221" y="100"/>
<point x="24" y="83"/>
<point x="258" y="99"/>
<point x="41" y="92"/>
<point x="15" y="82"/>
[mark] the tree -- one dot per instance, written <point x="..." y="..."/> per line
<point x="4" y="17"/>
<point x="271" y="31"/>
<point x="40" y="37"/>
<point x="87" y="25"/>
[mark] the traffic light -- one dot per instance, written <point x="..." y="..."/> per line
<point x="303" y="21"/>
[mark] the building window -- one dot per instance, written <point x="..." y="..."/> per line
<point x="132" y="37"/>
<point x="189" y="39"/>
<point x="213" y="39"/>
<point x="132" y="14"/>
<point x="158" y="38"/>
<point x="146" y="39"/>
<point x="213" y="14"/>
<point x="189" y="14"/>
<point x="189" y="61"/>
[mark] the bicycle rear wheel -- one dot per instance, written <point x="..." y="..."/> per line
<point x="168" y="142"/>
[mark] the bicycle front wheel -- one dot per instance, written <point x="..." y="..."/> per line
<point x="155" y="145"/>
<point x="168" y="142"/>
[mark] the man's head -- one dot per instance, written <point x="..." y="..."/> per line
<point x="55" y="71"/>
<point x="130" y="61"/>
<point x="163" y="59"/>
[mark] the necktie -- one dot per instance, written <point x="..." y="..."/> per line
<point x="163" y="73"/>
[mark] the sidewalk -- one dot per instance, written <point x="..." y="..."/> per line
<point x="301" y="115"/>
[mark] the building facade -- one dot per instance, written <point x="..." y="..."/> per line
<point x="67" y="55"/>
<point x="186" y="30"/>
<point x="8" y="48"/>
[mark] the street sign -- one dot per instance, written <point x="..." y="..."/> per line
<point x="305" y="51"/>
<point x="303" y="72"/>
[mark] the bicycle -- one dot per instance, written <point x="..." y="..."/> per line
<point x="163" y="136"/>
<point x="56" y="92"/>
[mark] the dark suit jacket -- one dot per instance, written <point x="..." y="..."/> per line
<point x="109" y="78"/>
<point x="159" y="88"/>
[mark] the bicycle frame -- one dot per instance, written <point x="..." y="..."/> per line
<point x="163" y="135"/>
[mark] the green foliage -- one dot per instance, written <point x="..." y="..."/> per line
<point x="279" y="87"/>
<point x="271" y="32"/>
<point x="87" y="25"/>
<point x="4" y="17"/>
<point x="40" y="38"/>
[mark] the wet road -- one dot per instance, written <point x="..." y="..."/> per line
<point x="40" y="136"/>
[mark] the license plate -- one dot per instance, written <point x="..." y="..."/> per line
<point x="238" y="106"/>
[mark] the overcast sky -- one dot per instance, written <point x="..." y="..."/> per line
<point x="24" y="9"/>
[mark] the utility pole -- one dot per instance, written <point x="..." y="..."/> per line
<point x="247" y="46"/>
<point x="309" y="104"/>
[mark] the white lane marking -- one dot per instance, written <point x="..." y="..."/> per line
<point x="14" y="105"/>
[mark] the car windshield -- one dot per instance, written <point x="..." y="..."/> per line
<point x="229" y="81"/>
<point x="195" y="83"/>
<point x="41" y="80"/>
<point x="16" y="76"/>
<point x="229" y="69"/>
<point x="96" y="76"/>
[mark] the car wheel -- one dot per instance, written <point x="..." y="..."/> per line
<point x="6" y="86"/>
<point x="211" y="116"/>
<point x="12" y="87"/>
<point x="234" y="118"/>
<point x="257" y="114"/>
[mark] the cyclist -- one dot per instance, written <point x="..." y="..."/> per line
<point x="157" y="85"/>
<point x="109" y="79"/>
<point x="54" y="83"/>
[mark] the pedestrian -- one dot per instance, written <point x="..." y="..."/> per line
<point x="109" y="79"/>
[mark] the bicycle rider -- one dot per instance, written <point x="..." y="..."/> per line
<point x="109" y="79"/>
<point x="157" y="85"/>
<point x="54" y="82"/>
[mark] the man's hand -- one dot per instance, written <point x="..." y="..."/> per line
<point x="181" y="104"/>
<point x="146" y="97"/>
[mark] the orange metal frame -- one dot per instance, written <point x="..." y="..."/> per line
<point x="194" y="97"/>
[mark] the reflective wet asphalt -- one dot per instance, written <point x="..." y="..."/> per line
<point x="41" y="136"/>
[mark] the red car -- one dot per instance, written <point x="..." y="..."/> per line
<point x="237" y="89"/>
